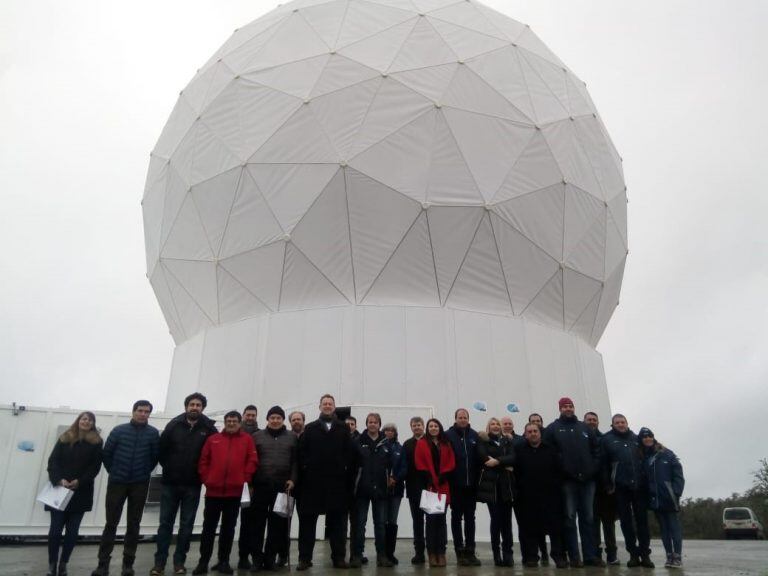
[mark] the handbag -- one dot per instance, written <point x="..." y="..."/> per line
<point x="283" y="505"/>
<point x="245" y="497"/>
<point x="56" y="497"/>
<point x="432" y="502"/>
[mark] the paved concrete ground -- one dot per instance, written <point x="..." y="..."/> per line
<point x="701" y="558"/>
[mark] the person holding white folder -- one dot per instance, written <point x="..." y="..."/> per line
<point x="73" y="464"/>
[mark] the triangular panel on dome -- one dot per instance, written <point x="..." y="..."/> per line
<point x="539" y="217"/>
<point x="290" y="189"/>
<point x="293" y="40"/>
<point x="379" y="218"/>
<point x="300" y="140"/>
<point x="490" y="146"/>
<point x="247" y="114"/>
<point x="450" y="181"/>
<point x="424" y="47"/>
<point x="429" y="5"/>
<point x="588" y="256"/>
<point x="192" y="317"/>
<point x="211" y="156"/>
<point x="467" y="15"/>
<point x="608" y="302"/>
<point x="247" y="42"/>
<point x="573" y="161"/>
<point x="606" y="165"/>
<point x="535" y="169"/>
<point x="364" y="19"/>
<point x="383" y="119"/>
<point x="466" y="43"/>
<point x="512" y="29"/>
<point x="235" y="301"/>
<point x="547" y="306"/>
<point x="323" y="236"/>
<point x="304" y="286"/>
<point x="502" y="71"/>
<point x="409" y="278"/>
<point x="340" y="73"/>
<point x="205" y="86"/>
<point x="618" y="208"/>
<point x="379" y="50"/>
<point x="579" y="292"/>
<point x="579" y="103"/>
<point x="260" y="271"/>
<point x="585" y="323"/>
<point x="251" y="222"/>
<point x="403" y="4"/>
<point x="176" y="192"/>
<point x="530" y="42"/>
<point x="480" y="284"/>
<point x="401" y="160"/>
<point x="527" y="268"/>
<point x="470" y="92"/>
<point x="581" y="211"/>
<point x="181" y="120"/>
<point x="214" y="199"/>
<point x="431" y="82"/>
<point x="326" y="20"/>
<point x="615" y="249"/>
<point x="163" y="295"/>
<point x="199" y="280"/>
<point x="152" y="213"/>
<point x="341" y="113"/>
<point x="547" y="102"/>
<point x="295" y="78"/>
<point x="187" y="239"/>
<point x="452" y="230"/>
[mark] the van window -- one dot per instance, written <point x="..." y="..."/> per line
<point x="737" y="514"/>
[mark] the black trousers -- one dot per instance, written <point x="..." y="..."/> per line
<point x="463" y="506"/>
<point x="335" y="526"/>
<point x="224" y="509"/>
<point x="633" y="518"/>
<point x="437" y="533"/>
<point x="117" y="495"/>
<point x="417" y="514"/>
<point x="605" y="517"/>
<point x="501" y="526"/>
<point x="261" y="518"/>
<point x="535" y="526"/>
<point x="59" y="521"/>
<point x="246" y="534"/>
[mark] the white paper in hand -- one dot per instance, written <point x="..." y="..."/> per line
<point x="245" y="499"/>
<point x="432" y="502"/>
<point x="283" y="505"/>
<point x="56" y="497"/>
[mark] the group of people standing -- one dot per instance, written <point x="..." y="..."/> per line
<point x="563" y="481"/>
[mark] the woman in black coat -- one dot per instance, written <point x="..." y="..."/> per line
<point x="496" y="487"/>
<point x="74" y="464"/>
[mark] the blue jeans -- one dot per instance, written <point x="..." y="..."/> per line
<point x="671" y="532"/>
<point x="60" y="520"/>
<point x="634" y="521"/>
<point x="173" y="499"/>
<point x="579" y="500"/>
<point x="379" y="520"/>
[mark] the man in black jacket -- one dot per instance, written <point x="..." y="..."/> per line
<point x="327" y="460"/>
<point x="249" y="425"/>
<point x="604" y="509"/>
<point x="180" y="445"/>
<point x="579" y="453"/>
<point x="414" y="484"/>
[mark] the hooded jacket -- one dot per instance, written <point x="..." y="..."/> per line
<point x="577" y="447"/>
<point x="131" y="452"/>
<point x="180" y="447"/>
<point x="665" y="478"/>
<point x="226" y="463"/>
<point x="622" y="460"/>
<point x="464" y="444"/>
<point x="496" y="484"/>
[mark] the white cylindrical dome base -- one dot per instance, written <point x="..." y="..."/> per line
<point x="400" y="361"/>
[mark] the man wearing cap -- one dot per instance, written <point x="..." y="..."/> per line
<point x="579" y="451"/>
<point x="278" y="470"/>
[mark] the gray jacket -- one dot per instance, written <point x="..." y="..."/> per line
<point x="278" y="460"/>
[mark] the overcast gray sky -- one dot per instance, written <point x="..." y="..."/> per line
<point x="87" y="85"/>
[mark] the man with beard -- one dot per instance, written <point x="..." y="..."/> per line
<point x="181" y="443"/>
<point x="296" y="420"/>
<point x="327" y="460"/>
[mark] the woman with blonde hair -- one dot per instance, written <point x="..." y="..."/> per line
<point x="496" y="488"/>
<point x="74" y="463"/>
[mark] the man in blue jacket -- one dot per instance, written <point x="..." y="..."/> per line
<point x="463" y="440"/>
<point x="624" y="475"/>
<point x="579" y="452"/>
<point x="130" y="454"/>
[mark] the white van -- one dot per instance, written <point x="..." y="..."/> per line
<point x="741" y="522"/>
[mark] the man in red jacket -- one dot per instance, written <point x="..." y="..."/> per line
<point x="227" y="462"/>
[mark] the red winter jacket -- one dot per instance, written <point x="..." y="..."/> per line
<point x="423" y="460"/>
<point x="226" y="463"/>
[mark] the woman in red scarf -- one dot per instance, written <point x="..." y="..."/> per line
<point x="435" y="460"/>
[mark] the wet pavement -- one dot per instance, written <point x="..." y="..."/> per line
<point x="700" y="558"/>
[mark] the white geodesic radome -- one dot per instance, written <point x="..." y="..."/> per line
<point x="410" y="154"/>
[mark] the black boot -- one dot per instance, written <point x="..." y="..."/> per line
<point x="507" y="558"/>
<point x="62" y="569"/>
<point x="51" y="569"/>
<point x="391" y="543"/>
<point x="496" y="555"/>
<point x="102" y="569"/>
<point x="470" y="558"/>
<point x="127" y="569"/>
